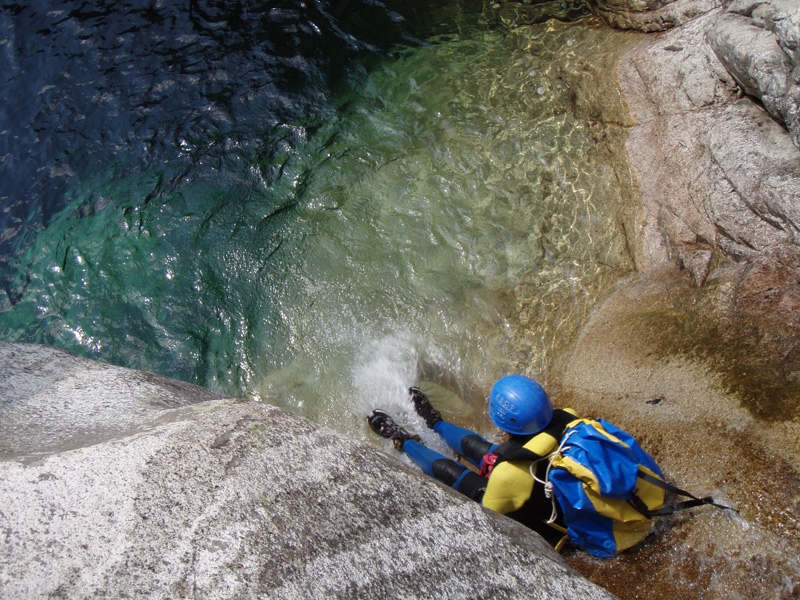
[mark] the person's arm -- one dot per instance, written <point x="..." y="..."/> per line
<point x="510" y="486"/>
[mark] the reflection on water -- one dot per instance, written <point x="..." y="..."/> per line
<point x="470" y="200"/>
<point x="459" y="213"/>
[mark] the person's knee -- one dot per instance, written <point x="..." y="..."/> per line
<point x="447" y="471"/>
<point x="459" y="478"/>
<point x="475" y="447"/>
<point x="472" y="485"/>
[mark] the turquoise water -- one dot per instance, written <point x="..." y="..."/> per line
<point x="446" y="201"/>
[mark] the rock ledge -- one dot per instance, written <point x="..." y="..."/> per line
<point x="227" y="499"/>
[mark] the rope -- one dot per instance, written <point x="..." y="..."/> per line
<point x="548" y="485"/>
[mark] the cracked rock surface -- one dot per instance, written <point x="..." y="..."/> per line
<point x="719" y="179"/>
<point x="650" y="15"/>
<point x="758" y="44"/>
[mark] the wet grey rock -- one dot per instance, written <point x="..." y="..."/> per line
<point x="52" y="400"/>
<point x="716" y="172"/>
<point x="232" y="499"/>
<point x="719" y="179"/>
<point x="758" y="44"/>
<point x="650" y="15"/>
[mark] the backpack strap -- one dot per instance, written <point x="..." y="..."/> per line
<point x="514" y="448"/>
<point x="637" y="503"/>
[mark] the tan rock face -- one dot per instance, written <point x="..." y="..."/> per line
<point x="650" y="15"/>
<point x="720" y="186"/>
<point x="654" y="361"/>
<point x="697" y="354"/>
<point x="757" y="42"/>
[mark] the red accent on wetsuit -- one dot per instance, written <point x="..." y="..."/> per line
<point x="487" y="464"/>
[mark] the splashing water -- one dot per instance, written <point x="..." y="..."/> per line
<point x="462" y="189"/>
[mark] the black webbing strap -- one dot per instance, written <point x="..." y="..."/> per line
<point x="639" y="505"/>
<point x="514" y="448"/>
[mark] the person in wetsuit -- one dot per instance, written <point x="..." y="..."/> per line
<point x="504" y="481"/>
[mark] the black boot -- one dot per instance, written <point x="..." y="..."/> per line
<point x="423" y="407"/>
<point x="381" y="423"/>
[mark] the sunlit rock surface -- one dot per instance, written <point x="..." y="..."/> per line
<point x="697" y="353"/>
<point x="632" y="367"/>
<point x="650" y="15"/>
<point x="758" y="44"/>
<point x="717" y="170"/>
<point x="227" y="499"/>
<point x="719" y="180"/>
<point x="53" y="400"/>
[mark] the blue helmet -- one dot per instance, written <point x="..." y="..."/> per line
<point x="519" y="405"/>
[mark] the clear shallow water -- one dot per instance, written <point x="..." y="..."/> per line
<point x="289" y="204"/>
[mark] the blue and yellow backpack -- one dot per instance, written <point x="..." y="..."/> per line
<point x="608" y="488"/>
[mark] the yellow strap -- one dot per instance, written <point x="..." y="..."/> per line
<point x="558" y="527"/>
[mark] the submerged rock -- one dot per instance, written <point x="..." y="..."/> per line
<point x="237" y="499"/>
<point x="517" y="14"/>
